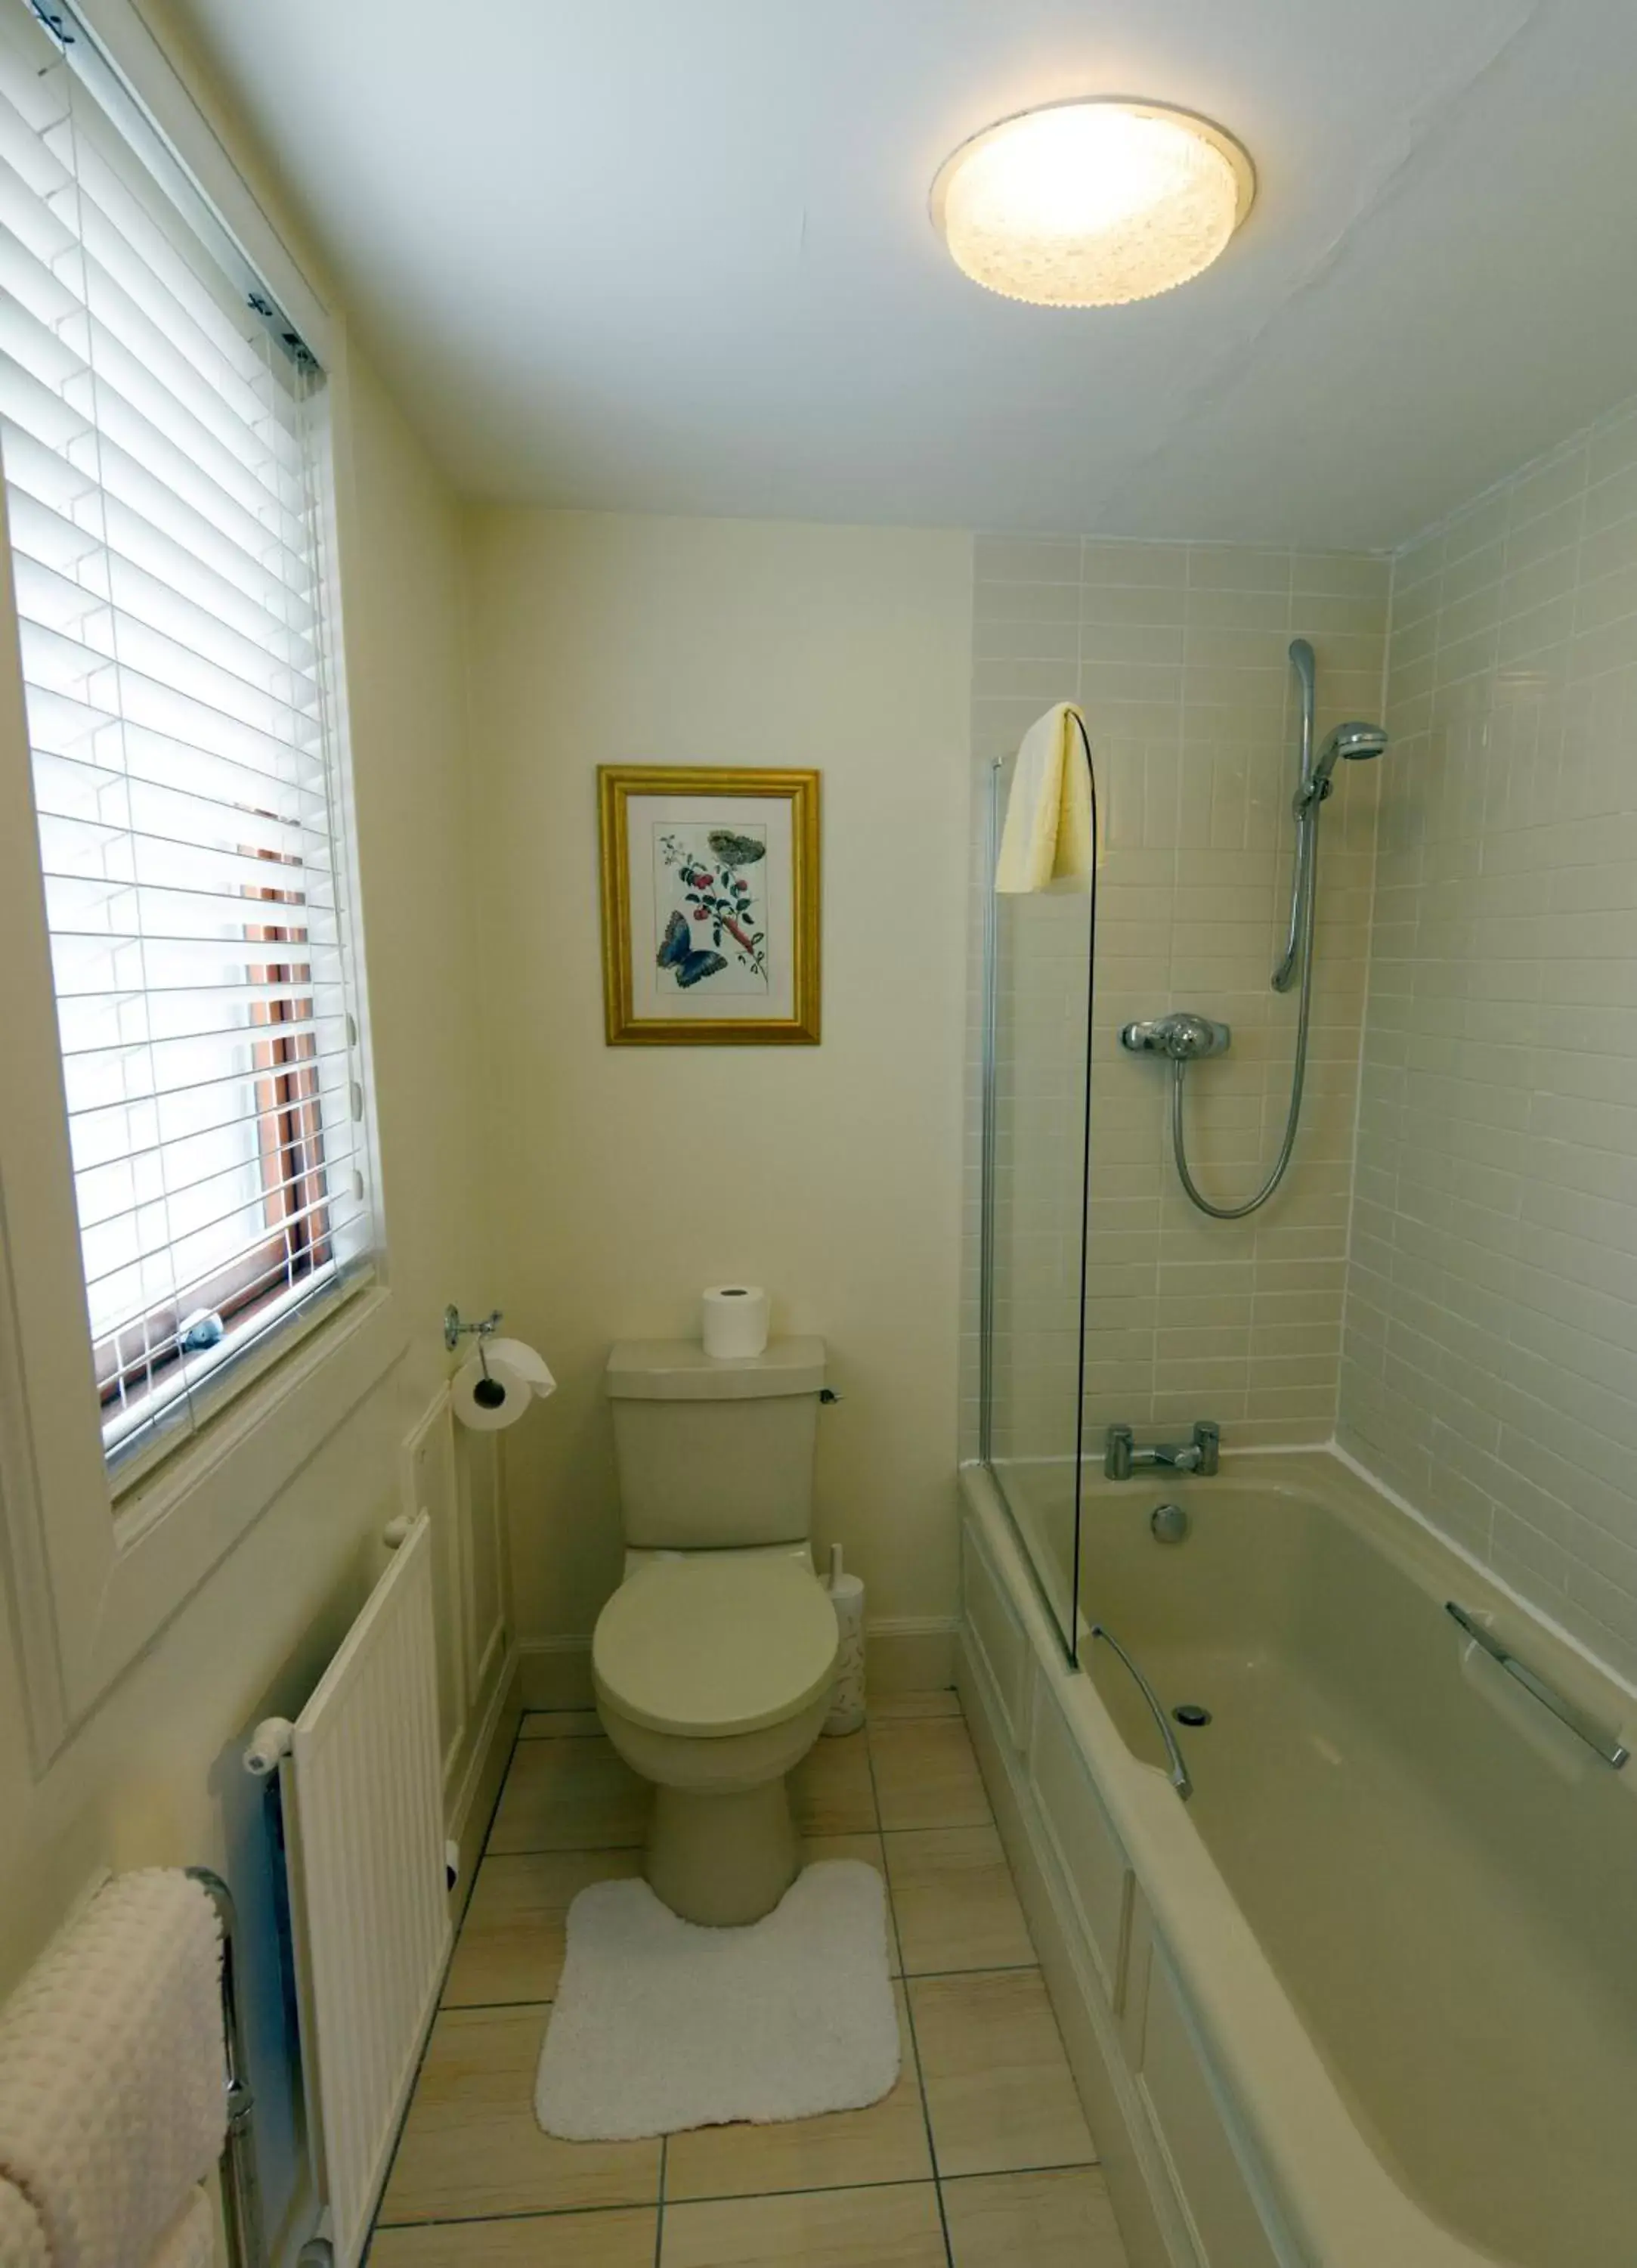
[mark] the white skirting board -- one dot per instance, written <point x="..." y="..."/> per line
<point x="906" y="1654"/>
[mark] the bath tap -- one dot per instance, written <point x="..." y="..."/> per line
<point x="1121" y="1458"/>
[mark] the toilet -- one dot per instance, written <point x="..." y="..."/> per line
<point x="714" y="1661"/>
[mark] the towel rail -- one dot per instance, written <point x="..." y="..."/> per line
<point x="241" y="2189"/>
<point x="1606" y="1745"/>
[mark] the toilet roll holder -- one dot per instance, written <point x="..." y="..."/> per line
<point x="455" y="1330"/>
<point x="488" y="1392"/>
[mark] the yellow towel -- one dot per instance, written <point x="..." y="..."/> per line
<point x="1049" y="839"/>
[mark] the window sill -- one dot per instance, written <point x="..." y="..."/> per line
<point x="249" y="1449"/>
<point x="230" y="1374"/>
<point x="178" y="1520"/>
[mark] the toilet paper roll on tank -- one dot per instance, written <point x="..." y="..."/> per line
<point x="498" y="1383"/>
<point x="733" y="1321"/>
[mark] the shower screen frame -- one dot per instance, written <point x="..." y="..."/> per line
<point x="1067" y="1626"/>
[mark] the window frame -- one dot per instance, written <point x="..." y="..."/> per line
<point x="101" y="1556"/>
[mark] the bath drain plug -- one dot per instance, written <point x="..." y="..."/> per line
<point x="1189" y="1713"/>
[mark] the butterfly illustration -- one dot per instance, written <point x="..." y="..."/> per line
<point x="676" y="952"/>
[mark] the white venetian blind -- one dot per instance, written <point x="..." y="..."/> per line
<point x="161" y="436"/>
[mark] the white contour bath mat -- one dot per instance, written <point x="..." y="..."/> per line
<point x="659" y="2024"/>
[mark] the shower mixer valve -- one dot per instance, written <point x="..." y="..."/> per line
<point x="1184" y="1036"/>
<point x="1121" y="1458"/>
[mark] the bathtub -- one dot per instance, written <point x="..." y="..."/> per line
<point x="1369" y="1999"/>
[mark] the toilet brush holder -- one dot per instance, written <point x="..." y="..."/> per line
<point x="847" y="1697"/>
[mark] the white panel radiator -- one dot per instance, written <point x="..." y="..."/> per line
<point x="362" y="1785"/>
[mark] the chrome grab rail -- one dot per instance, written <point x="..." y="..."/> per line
<point x="1178" y="1773"/>
<point x="1612" y="1750"/>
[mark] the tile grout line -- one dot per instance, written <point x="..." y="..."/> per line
<point x="563" y="1849"/>
<point x="740" y="2196"/>
<point x="659" y="2207"/>
<point x="480" y="2007"/>
<point x="909" y="2007"/>
<point x="900" y="1976"/>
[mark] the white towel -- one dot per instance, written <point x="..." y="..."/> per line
<point x="112" y="2072"/>
<point x="190" y="2240"/>
<point x="22" y="2239"/>
<point x="1049" y="839"/>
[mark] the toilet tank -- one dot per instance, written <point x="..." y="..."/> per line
<point x="714" y="1455"/>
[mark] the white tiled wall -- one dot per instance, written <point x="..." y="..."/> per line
<point x="1491" y="1349"/>
<point x="1178" y="654"/>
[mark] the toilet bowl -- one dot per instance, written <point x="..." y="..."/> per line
<point x="713" y="1672"/>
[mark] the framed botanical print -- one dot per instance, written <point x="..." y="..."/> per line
<point x="710" y="905"/>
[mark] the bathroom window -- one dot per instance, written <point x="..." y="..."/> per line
<point x="163" y="439"/>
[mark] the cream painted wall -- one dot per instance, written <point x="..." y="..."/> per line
<point x="628" y="1177"/>
<point x="152" y="1777"/>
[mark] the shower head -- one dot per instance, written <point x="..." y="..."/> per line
<point x="1352" y="742"/>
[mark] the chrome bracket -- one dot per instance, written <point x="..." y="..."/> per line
<point x="455" y="1330"/>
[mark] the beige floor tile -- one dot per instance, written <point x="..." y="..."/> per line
<point x="561" y="1724"/>
<point x="866" y="1847"/>
<point x="512" y="1941"/>
<point x="831" y="1789"/>
<point x="570" y="1795"/>
<point x="620" y="2239"/>
<point x="884" y="1707"/>
<point x="927" y="1775"/>
<point x="998" y="2093"/>
<point x="1057" y="2220"/>
<point x="829" y="2229"/>
<point x="886" y="2143"/>
<point x="471" y="2146"/>
<point x="953" y="1897"/>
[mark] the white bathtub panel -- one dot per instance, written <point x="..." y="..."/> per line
<point x="1000" y="1637"/>
<point x="1086" y="1844"/>
<point x="1226" y="2226"/>
<point x="1151" y="2220"/>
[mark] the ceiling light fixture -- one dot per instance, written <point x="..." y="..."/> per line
<point x="1091" y="204"/>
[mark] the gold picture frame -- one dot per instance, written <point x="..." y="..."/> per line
<point x="710" y="905"/>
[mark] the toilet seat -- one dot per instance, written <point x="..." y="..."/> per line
<point x="724" y="1644"/>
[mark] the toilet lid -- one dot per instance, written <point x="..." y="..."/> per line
<point x="718" y="1644"/>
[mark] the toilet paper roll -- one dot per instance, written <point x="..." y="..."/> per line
<point x="847" y="1697"/>
<point x="528" y="1363"/>
<point x="733" y="1321"/>
<point x="487" y="1402"/>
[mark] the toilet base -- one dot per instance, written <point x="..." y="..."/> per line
<point x="723" y="1860"/>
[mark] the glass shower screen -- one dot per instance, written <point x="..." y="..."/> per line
<point x="1037" y="1070"/>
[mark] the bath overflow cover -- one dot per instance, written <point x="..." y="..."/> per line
<point x="1189" y="1713"/>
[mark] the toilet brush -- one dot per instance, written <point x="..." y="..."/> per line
<point x="846" y="1699"/>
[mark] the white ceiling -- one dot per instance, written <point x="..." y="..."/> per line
<point x="675" y="254"/>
